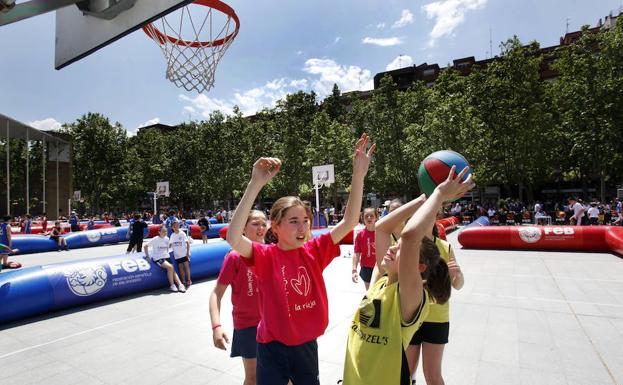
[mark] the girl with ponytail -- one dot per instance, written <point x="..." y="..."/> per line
<point x="397" y="304"/>
<point x="431" y="338"/>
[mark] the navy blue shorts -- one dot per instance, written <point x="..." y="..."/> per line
<point x="243" y="344"/>
<point x="366" y="274"/>
<point x="277" y="363"/>
<point x="432" y="333"/>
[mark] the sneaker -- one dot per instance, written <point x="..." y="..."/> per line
<point x="173" y="288"/>
<point x="181" y="288"/>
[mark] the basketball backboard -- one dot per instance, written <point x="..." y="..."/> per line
<point x="80" y="33"/>
<point x="323" y="175"/>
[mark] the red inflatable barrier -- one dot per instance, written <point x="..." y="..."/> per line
<point x="65" y="228"/>
<point x="83" y="226"/>
<point x="223" y="232"/>
<point x="572" y="238"/>
<point x="446" y="225"/>
<point x="152" y="230"/>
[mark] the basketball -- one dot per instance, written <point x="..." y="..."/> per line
<point x="434" y="169"/>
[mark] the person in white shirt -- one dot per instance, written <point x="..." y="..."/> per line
<point x="491" y="212"/>
<point x="578" y="212"/>
<point x="159" y="254"/>
<point x="593" y="214"/>
<point x="180" y="244"/>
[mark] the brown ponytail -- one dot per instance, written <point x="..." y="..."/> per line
<point x="437" y="275"/>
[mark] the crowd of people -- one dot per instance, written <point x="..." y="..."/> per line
<point x="573" y="211"/>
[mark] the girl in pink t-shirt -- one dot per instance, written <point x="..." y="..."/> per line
<point x="293" y="297"/>
<point x="365" y="248"/>
<point x="244" y="298"/>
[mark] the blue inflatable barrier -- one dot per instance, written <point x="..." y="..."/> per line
<point x="88" y="238"/>
<point x="43" y="289"/>
<point x="480" y="221"/>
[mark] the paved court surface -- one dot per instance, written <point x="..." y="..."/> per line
<point x="526" y="318"/>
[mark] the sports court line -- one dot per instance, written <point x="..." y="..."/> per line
<point x="94" y="329"/>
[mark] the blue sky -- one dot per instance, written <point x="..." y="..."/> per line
<point x="283" y="46"/>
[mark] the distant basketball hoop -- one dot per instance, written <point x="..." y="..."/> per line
<point x="191" y="63"/>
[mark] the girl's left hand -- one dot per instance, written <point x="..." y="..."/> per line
<point x="361" y="157"/>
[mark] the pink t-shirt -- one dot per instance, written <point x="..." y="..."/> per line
<point x="244" y="291"/>
<point x="293" y="297"/>
<point x="364" y="244"/>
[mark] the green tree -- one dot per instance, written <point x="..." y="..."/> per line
<point x="99" y="149"/>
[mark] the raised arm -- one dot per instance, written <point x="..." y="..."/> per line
<point x="361" y="163"/>
<point x="387" y="225"/>
<point x="264" y="170"/>
<point x="409" y="277"/>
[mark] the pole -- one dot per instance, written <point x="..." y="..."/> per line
<point x="155" y="198"/>
<point x="43" y="168"/>
<point x="58" y="203"/>
<point x="317" y="187"/>
<point x="8" y="172"/>
<point x="27" y="172"/>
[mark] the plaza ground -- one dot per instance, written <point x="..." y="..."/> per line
<point x="524" y="318"/>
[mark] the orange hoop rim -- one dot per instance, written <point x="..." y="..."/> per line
<point x="162" y="38"/>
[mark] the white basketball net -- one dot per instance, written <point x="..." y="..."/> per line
<point x="322" y="178"/>
<point x="191" y="64"/>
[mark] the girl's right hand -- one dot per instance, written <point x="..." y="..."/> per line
<point x="355" y="276"/>
<point x="220" y="338"/>
<point x="265" y="169"/>
<point x="453" y="187"/>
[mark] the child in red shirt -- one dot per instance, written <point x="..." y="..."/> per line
<point x="293" y="298"/>
<point x="244" y="298"/>
<point x="364" y="249"/>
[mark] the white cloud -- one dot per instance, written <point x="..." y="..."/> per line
<point x="299" y="83"/>
<point x="299" y="52"/>
<point x="145" y="124"/>
<point x="149" y="122"/>
<point x="337" y="39"/>
<point x="322" y="74"/>
<point x="45" y="124"/>
<point x="400" y="62"/>
<point x="405" y="19"/>
<point x="448" y="14"/>
<point x="249" y="101"/>
<point x="348" y="78"/>
<point x="383" y="42"/>
<point x="380" y="26"/>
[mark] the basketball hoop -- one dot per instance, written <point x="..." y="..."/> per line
<point x="191" y="64"/>
<point x="322" y="179"/>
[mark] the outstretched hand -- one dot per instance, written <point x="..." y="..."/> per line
<point x="265" y="169"/>
<point x="361" y="157"/>
<point x="454" y="187"/>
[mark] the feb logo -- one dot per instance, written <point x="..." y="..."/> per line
<point x="530" y="234"/>
<point x="86" y="280"/>
<point x="93" y="235"/>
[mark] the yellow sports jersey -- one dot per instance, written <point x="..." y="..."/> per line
<point x="440" y="313"/>
<point x="377" y="338"/>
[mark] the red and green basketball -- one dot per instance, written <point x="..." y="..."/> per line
<point x="435" y="168"/>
